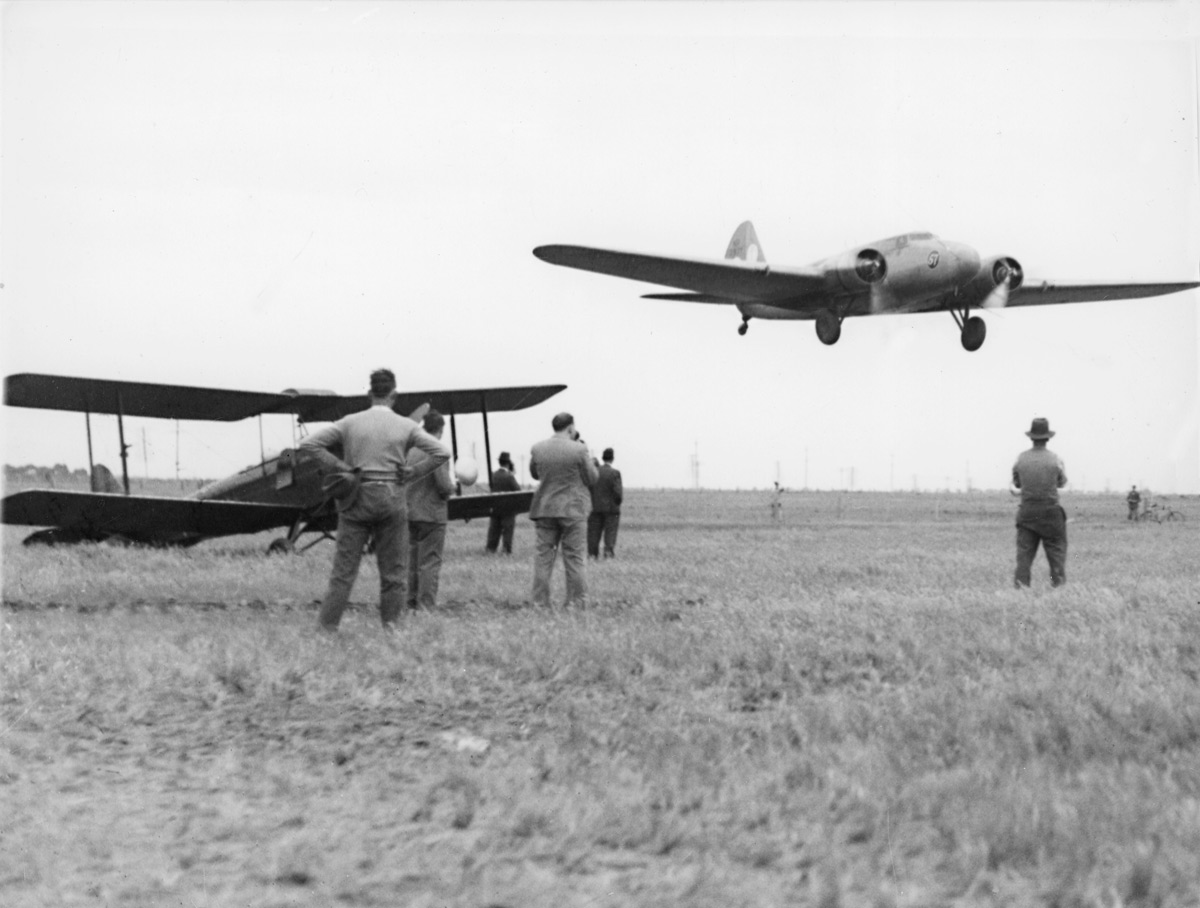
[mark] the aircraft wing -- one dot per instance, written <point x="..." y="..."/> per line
<point x="468" y="507"/>
<point x="90" y="395"/>
<point x="143" y="518"/>
<point x="1044" y="294"/>
<point x="710" y="280"/>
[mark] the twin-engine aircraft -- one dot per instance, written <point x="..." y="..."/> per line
<point x="282" y="491"/>
<point x="913" y="272"/>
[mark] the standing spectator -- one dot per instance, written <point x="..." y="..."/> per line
<point x="559" y="510"/>
<point x="606" y="508"/>
<point x="777" y="503"/>
<point x="1039" y="474"/>
<point x="427" y="516"/>
<point x="368" y="483"/>
<point x="1133" y="499"/>
<point x="501" y="526"/>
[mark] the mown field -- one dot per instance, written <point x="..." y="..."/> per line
<point x="852" y="707"/>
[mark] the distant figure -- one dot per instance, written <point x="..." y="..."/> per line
<point x="559" y="510"/>
<point x="427" y="516"/>
<point x="367" y="482"/>
<point x="777" y="503"/>
<point x="1133" y="499"/>
<point x="501" y="526"/>
<point x="605" y="518"/>
<point x="1039" y="474"/>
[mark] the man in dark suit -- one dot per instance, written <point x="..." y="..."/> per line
<point x="427" y="516"/>
<point x="501" y="526"/>
<point x="560" y="506"/>
<point x="606" y="509"/>
<point x="372" y="468"/>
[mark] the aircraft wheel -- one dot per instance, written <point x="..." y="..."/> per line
<point x="973" y="332"/>
<point x="743" y="328"/>
<point x="281" y="546"/>
<point x="829" y="327"/>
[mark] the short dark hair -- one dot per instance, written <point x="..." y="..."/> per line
<point x="505" y="459"/>
<point x="561" y="421"/>
<point x="383" y="383"/>
<point x="607" y="456"/>
<point x="434" y="422"/>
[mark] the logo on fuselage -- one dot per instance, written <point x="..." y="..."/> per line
<point x="933" y="259"/>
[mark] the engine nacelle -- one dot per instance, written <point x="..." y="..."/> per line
<point x="857" y="271"/>
<point x="999" y="274"/>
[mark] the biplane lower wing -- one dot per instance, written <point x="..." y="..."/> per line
<point x="469" y="507"/>
<point x="141" y="518"/>
<point x="92" y="516"/>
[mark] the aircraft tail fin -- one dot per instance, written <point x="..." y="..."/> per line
<point x="744" y="244"/>
<point x="104" y="481"/>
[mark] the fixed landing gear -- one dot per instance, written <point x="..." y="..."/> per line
<point x="973" y="329"/>
<point x="281" y="546"/>
<point x="829" y="327"/>
<point x="744" y="326"/>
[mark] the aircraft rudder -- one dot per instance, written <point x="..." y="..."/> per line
<point x="744" y="244"/>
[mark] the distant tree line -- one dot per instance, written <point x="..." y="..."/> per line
<point x="33" y="473"/>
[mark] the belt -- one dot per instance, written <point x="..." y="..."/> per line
<point x="380" y="476"/>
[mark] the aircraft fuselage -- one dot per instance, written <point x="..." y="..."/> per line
<point x="921" y="273"/>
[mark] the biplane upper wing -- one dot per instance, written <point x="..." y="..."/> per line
<point x="127" y="398"/>
<point x="143" y="518"/>
<point x="729" y="280"/>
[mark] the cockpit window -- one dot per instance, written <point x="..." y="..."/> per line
<point x="920" y="236"/>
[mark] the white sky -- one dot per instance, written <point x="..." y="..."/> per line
<point x="271" y="195"/>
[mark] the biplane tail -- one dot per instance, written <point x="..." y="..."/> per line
<point x="104" y="481"/>
<point x="744" y="244"/>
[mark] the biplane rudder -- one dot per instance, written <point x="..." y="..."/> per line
<point x="104" y="481"/>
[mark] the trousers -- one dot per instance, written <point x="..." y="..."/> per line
<point x="426" y="540"/>
<point x="379" y="513"/>
<point x="500" y="528"/>
<point x="570" y="535"/>
<point x="606" y="525"/>
<point x="1047" y="526"/>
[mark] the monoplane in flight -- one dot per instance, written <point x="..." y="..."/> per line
<point x="913" y="272"/>
<point x="281" y="491"/>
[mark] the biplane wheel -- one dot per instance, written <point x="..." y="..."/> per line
<point x="973" y="332"/>
<point x="281" y="546"/>
<point x="829" y="327"/>
<point x="744" y="327"/>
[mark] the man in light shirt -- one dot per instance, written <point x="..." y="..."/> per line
<point x="372" y="470"/>
<point x="1039" y="474"/>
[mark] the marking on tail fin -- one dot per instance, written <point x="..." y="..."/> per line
<point x="744" y="244"/>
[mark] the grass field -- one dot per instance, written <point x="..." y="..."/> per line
<point x="852" y="707"/>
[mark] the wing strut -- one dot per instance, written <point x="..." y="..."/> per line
<point x="454" y="451"/>
<point x="124" y="447"/>
<point x="487" y="441"/>
<point x="87" y="421"/>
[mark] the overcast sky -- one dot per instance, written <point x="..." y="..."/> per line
<point x="273" y="195"/>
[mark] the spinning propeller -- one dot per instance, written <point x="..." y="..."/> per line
<point x="1007" y="276"/>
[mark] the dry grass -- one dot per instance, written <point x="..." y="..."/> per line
<point x="853" y="708"/>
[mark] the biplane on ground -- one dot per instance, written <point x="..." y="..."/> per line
<point x="281" y="491"/>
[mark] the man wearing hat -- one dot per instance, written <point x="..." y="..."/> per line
<point x="560" y="508"/>
<point x="1039" y="474"/>
<point x="606" y="509"/>
<point x="501" y="526"/>
<point x="368" y="483"/>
